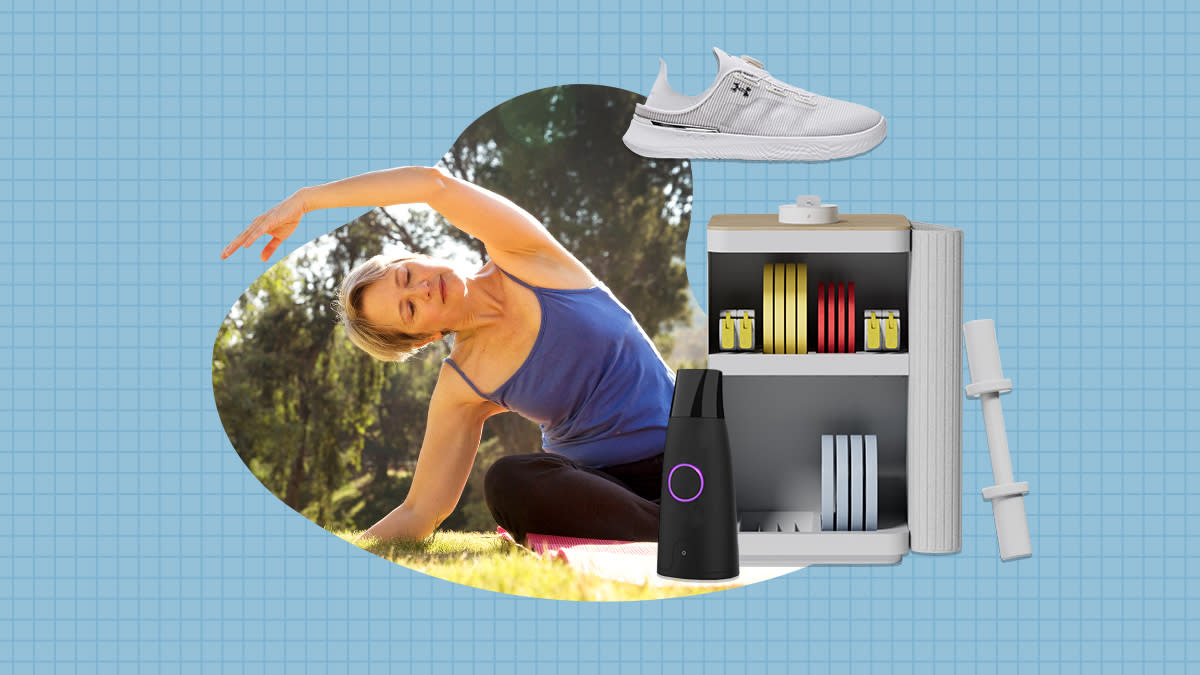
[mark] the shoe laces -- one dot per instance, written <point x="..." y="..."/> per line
<point x="777" y="87"/>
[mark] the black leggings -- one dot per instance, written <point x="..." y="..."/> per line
<point x="546" y="493"/>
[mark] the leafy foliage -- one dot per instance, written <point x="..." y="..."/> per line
<point x="296" y="398"/>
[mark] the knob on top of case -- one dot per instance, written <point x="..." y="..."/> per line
<point x="808" y="210"/>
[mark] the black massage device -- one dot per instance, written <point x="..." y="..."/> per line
<point x="697" y="527"/>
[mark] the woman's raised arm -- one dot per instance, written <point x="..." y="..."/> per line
<point x="504" y="228"/>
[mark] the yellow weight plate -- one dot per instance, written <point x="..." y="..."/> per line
<point x="780" y="340"/>
<point x="802" y="309"/>
<point x="768" y="323"/>
<point x="789" y="308"/>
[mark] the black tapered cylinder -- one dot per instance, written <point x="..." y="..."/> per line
<point x="697" y="527"/>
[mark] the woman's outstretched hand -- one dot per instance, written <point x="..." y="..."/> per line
<point x="279" y="222"/>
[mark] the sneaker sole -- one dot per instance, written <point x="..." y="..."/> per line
<point x="650" y="140"/>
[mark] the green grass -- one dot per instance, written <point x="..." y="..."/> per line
<point x="486" y="561"/>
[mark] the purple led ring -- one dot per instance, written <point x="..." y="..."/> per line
<point x="672" y="490"/>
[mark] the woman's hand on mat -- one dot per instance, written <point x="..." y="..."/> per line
<point x="279" y="222"/>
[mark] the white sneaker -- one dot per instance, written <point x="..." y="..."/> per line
<point x="747" y="114"/>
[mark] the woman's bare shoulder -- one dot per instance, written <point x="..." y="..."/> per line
<point x="558" y="270"/>
<point x="454" y="391"/>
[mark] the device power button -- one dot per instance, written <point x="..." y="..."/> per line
<point x="685" y="482"/>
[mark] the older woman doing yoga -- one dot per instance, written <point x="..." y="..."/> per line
<point x="534" y="333"/>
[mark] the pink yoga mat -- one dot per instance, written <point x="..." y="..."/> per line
<point x="633" y="562"/>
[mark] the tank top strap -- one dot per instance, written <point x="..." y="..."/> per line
<point x="466" y="379"/>
<point x="517" y="279"/>
<point x="539" y="290"/>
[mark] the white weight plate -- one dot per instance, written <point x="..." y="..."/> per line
<point x="856" y="483"/>
<point x="827" y="486"/>
<point x="842" y="474"/>
<point x="871" y="480"/>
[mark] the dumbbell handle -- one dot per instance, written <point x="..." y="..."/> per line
<point x="987" y="383"/>
<point x="993" y="421"/>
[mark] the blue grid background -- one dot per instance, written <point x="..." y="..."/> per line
<point x="136" y="141"/>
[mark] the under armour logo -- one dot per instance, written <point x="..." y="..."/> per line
<point x="743" y="88"/>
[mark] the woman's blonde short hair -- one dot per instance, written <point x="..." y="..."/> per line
<point x="382" y="343"/>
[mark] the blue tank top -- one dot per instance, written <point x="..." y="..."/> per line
<point x="594" y="381"/>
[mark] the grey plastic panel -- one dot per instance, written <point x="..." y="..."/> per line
<point x="775" y="426"/>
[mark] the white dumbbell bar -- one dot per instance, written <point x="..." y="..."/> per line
<point x="987" y="383"/>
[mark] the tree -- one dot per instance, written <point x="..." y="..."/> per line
<point x="296" y="398"/>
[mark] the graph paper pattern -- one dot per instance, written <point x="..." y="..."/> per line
<point x="135" y="141"/>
